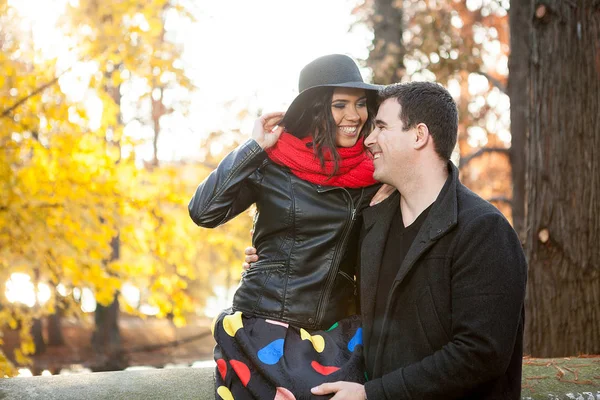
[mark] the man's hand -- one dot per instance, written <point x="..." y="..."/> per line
<point x="250" y="257"/>
<point x="342" y="390"/>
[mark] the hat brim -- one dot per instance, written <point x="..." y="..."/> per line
<point x="298" y="102"/>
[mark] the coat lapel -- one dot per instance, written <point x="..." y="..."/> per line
<point x="376" y="223"/>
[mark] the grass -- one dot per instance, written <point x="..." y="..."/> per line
<point x="543" y="377"/>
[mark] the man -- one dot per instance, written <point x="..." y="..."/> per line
<point x="442" y="275"/>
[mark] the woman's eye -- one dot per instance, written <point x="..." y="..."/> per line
<point x="361" y="104"/>
<point x="339" y="106"/>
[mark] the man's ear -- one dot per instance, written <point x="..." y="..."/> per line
<point x="422" y="136"/>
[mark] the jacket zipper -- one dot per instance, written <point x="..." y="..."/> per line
<point x="334" y="265"/>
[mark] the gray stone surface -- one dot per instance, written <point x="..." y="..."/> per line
<point x="153" y="384"/>
<point x="174" y="383"/>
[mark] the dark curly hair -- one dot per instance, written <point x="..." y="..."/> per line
<point x="315" y="118"/>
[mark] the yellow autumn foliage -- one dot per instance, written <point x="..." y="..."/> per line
<point x="68" y="188"/>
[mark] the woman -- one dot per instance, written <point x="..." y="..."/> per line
<point x="290" y="327"/>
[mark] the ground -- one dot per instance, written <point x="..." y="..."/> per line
<point x="560" y="375"/>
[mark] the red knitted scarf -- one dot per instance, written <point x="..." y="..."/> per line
<point x="355" y="167"/>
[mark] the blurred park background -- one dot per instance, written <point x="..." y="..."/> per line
<point x="111" y="113"/>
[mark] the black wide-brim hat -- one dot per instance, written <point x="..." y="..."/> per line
<point x="333" y="70"/>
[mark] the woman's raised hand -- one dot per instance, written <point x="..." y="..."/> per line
<point x="266" y="132"/>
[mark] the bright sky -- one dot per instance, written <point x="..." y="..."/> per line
<point x="241" y="55"/>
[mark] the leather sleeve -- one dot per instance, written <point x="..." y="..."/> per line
<point x="230" y="189"/>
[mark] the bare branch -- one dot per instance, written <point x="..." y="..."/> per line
<point x="467" y="159"/>
<point x="6" y="113"/>
<point x="29" y="206"/>
<point x="493" y="81"/>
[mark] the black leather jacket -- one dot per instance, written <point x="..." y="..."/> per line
<point x="306" y="237"/>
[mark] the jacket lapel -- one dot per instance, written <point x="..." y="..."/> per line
<point x="376" y="224"/>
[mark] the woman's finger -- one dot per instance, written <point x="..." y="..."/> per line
<point x="272" y="118"/>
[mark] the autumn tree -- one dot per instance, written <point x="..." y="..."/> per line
<point x="77" y="186"/>
<point x="47" y="224"/>
<point x="463" y="46"/>
<point x="132" y="34"/>
<point x="563" y="164"/>
<point x="386" y="56"/>
<point x="160" y="250"/>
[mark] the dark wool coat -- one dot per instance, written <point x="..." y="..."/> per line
<point x="453" y="325"/>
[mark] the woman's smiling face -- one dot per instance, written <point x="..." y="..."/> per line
<point x="349" y="110"/>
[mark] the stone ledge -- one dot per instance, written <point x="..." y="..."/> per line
<point x="154" y="384"/>
<point x="161" y="384"/>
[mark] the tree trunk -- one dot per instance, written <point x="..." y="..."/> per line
<point x="106" y="338"/>
<point x="518" y="63"/>
<point x="38" y="337"/>
<point x="563" y="179"/>
<point x="386" y="59"/>
<point x="55" y="336"/>
<point x="37" y="328"/>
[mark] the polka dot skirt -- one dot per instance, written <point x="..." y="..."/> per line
<point x="265" y="359"/>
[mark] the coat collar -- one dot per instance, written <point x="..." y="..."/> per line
<point x="443" y="213"/>
<point x="442" y="217"/>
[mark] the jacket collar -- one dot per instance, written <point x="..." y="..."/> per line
<point x="442" y="217"/>
<point x="443" y="213"/>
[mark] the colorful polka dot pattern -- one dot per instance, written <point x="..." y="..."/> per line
<point x="213" y="325"/>
<point x="271" y="353"/>
<point x="284" y="394"/>
<point x="356" y="340"/>
<point x="224" y="393"/>
<point x="317" y="340"/>
<point x="233" y="323"/>
<point x="222" y="367"/>
<point x="322" y="369"/>
<point x="241" y="370"/>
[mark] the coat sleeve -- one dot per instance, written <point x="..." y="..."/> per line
<point x="488" y="281"/>
<point x="229" y="189"/>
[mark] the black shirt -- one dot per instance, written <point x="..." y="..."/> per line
<point x="399" y="240"/>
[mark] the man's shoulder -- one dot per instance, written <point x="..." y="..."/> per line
<point x="472" y="207"/>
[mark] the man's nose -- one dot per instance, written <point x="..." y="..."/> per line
<point x="370" y="140"/>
